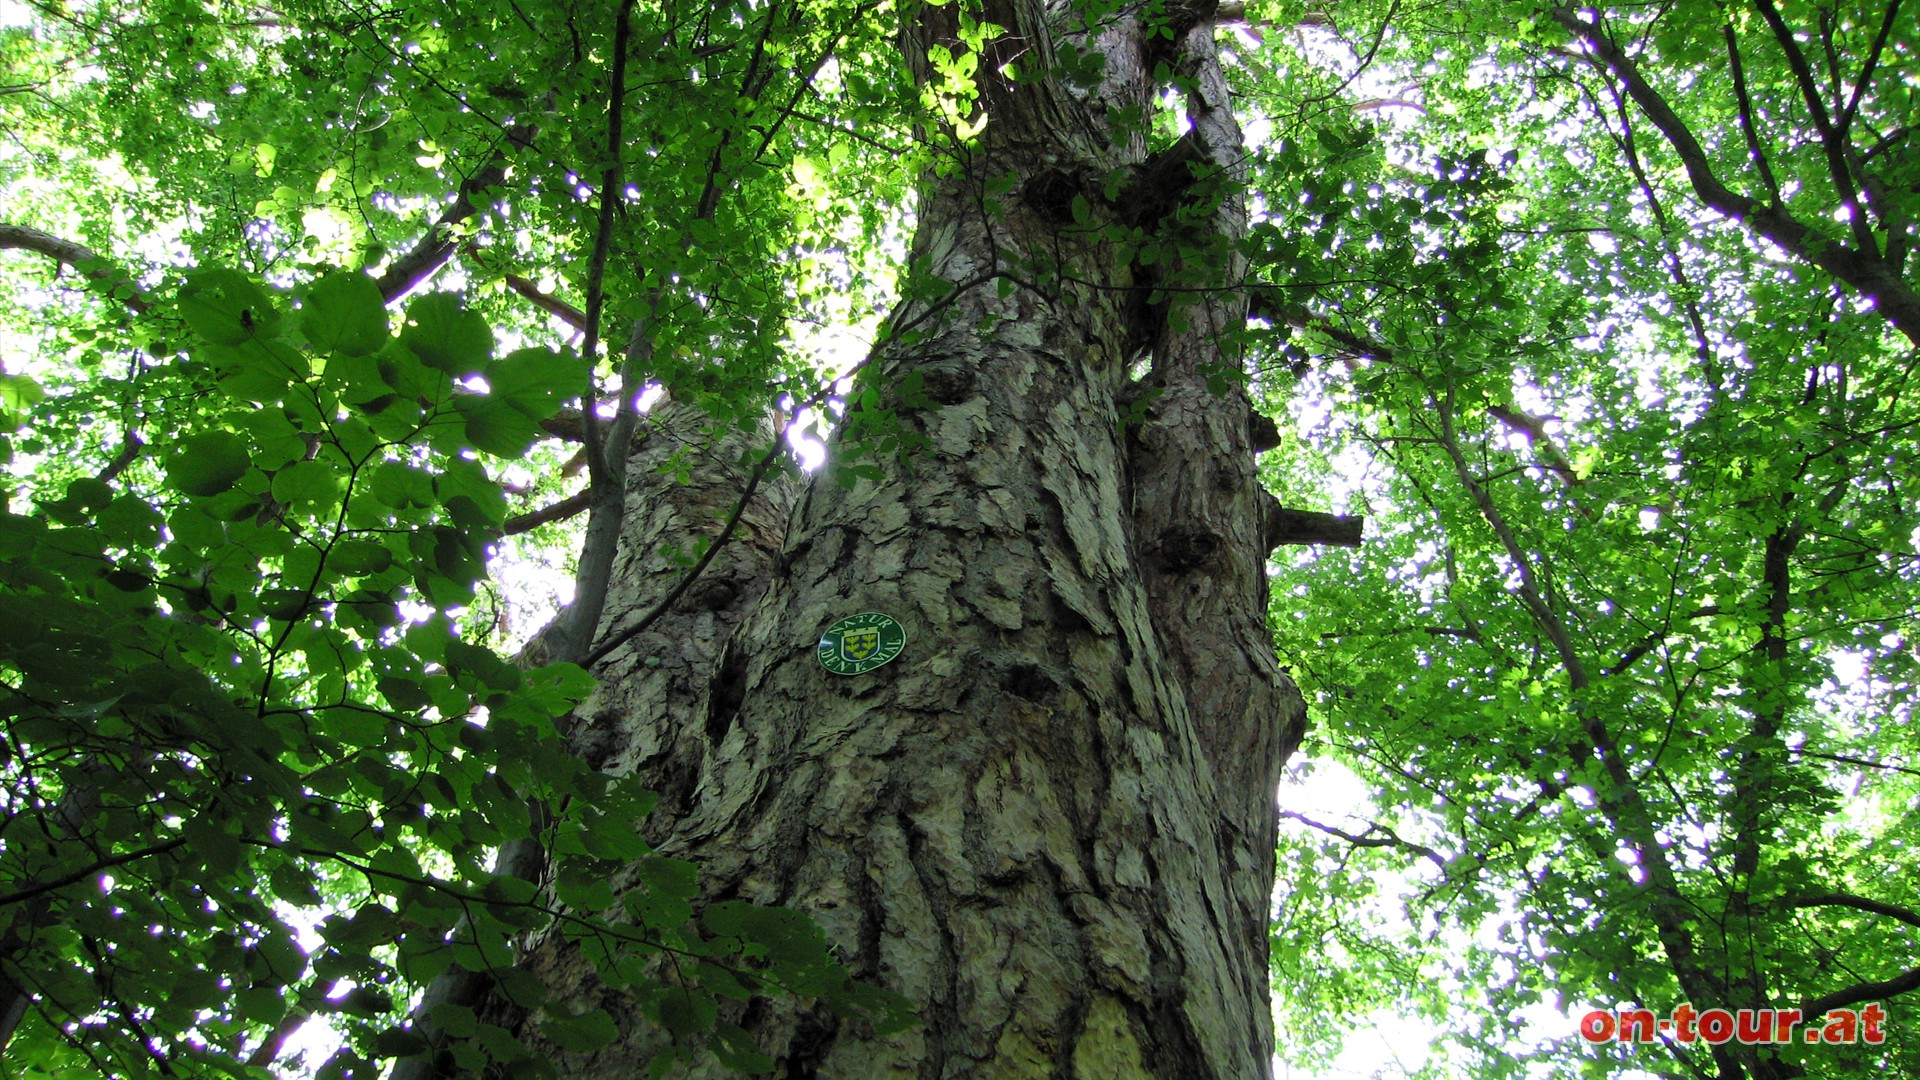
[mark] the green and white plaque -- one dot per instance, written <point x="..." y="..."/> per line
<point x="859" y="643"/>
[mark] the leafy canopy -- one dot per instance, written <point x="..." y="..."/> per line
<point x="262" y="751"/>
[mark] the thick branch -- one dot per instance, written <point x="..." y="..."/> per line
<point x="276" y="1041"/>
<point x="539" y="297"/>
<point x="1285" y="525"/>
<point x="1265" y="303"/>
<point x="1861" y="903"/>
<point x="1861" y="992"/>
<point x="1535" y="429"/>
<point x="406" y="273"/>
<point x="81" y="258"/>
<point x="130" y="447"/>
<point x="1864" y="270"/>
<point x="1831" y="141"/>
<point x="547" y="302"/>
<point x="560" y="511"/>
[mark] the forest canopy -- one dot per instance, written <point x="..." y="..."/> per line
<point x="317" y="321"/>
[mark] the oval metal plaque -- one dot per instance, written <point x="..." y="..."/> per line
<point x="859" y="643"/>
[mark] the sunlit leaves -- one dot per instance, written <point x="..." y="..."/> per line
<point x="248" y="657"/>
<point x="18" y="395"/>
<point x="1534" y="351"/>
<point x="260" y="627"/>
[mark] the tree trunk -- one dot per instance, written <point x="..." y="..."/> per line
<point x="1049" y="822"/>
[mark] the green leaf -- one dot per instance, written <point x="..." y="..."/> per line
<point x="499" y="427"/>
<point x="225" y="307"/>
<point x="684" y="1012"/>
<point x="308" y="487"/>
<point x="404" y="694"/>
<point x="18" y="396"/>
<point x="581" y="1034"/>
<point x="537" y="382"/>
<point x="402" y="487"/>
<point x="456" y="1021"/>
<point x="736" y="1049"/>
<point x="356" y="558"/>
<point x="521" y="987"/>
<point x="208" y="463"/>
<point x="446" y="336"/>
<point x="284" y="604"/>
<point x="399" y="1043"/>
<point x="344" y="313"/>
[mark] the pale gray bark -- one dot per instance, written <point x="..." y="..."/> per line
<point x="1049" y="823"/>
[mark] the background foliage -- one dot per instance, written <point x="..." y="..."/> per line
<point x="1627" y="666"/>
<point x="262" y="754"/>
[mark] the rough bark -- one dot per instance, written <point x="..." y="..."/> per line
<point x="1049" y="823"/>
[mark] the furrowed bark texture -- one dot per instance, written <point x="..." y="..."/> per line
<point x="1049" y="823"/>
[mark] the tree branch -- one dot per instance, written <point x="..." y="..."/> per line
<point x="547" y="302"/>
<point x="1687" y="297"/>
<point x="88" y="262"/>
<point x="540" y="298"/>
<point x="1859" y="992"/>
<point x="1652" y="641"/>
<point x="276" y="1041"/>
<point x="1620" y="798"/>
<point x="1535" y="429"/>
<point x="1848" y="759"/>
<point x="1747" y="126"/>
<point x="1879" y="46"/>
<point x="560" y="511"/>
<point x="1896" y="301"/>
<point x="1284" y="525"/>
<point x="1385" y="837"/>
<point x="1265" y="305"/>
<point x="406" y="272"/>
<point x="130" y="447"/>
<point x="1831" y="141"/>
<point x="40" y="887"/>
<point x="1861" y="903"/>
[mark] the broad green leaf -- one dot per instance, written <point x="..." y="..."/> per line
<point x="537" y="382"/>
<point x="344" y="313"/>
<point x="18" y="396"/>
<point x="356" y="558"/>
<point x="455" y="1021"/>
<point x="309" y="487"/>
<point x="225" y="307"/>
<point x="446" y="336"/>
<point x="499" y="427"/>
<point x="208" y="463"/>
<point x="580" y="1034"/>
